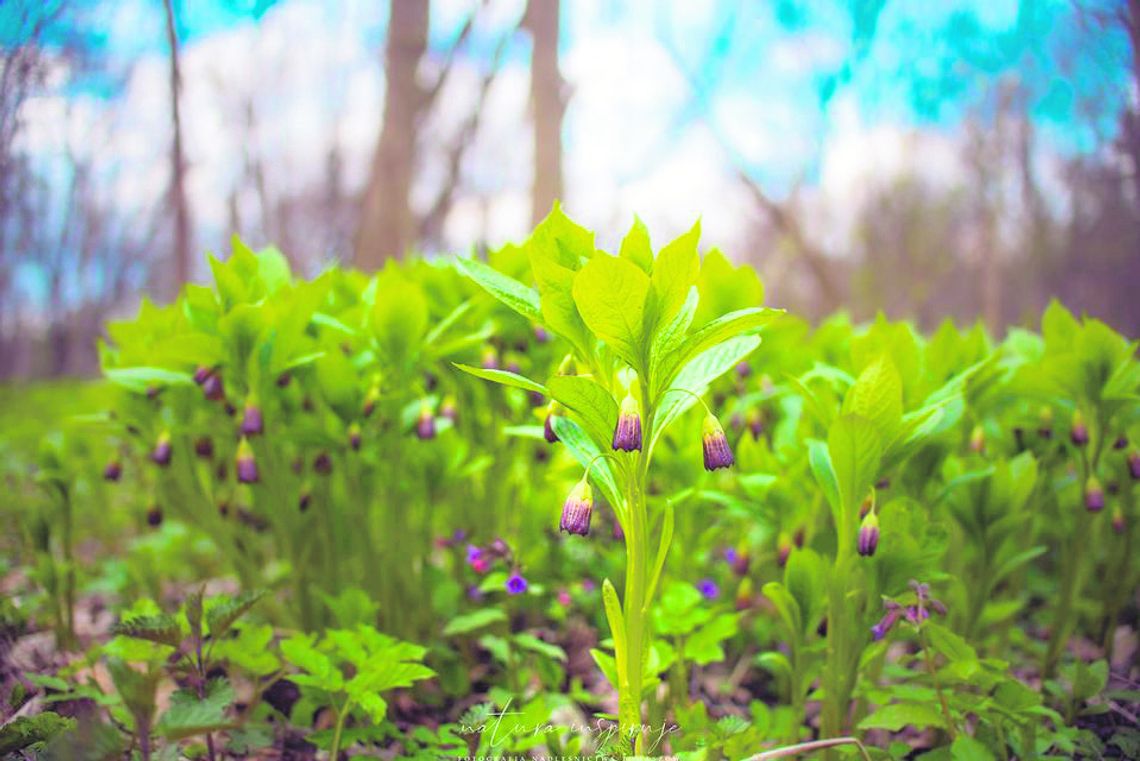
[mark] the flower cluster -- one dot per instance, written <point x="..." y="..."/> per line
<point x="914" y="613"/>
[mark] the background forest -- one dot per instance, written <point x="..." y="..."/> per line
<point x="927" y="159"/>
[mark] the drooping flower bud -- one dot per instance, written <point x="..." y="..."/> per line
<point x="490" y="359"/>
<point x="887" y="622"/>
<point x="245" y="464"/>
<point x="354" y="436"/>
<point x="449" y="409"/>
<point x="284" y="379"/>
<point x="755" y="421"/>
<point x="548" y="423"/>
<point x="304" y="499"/>
<point x="708" y="589"/>
<point x="744" y="594"/>
<point x="717" y="452"/>
<point x="322" y="464"/>
<point x="1134" y="464"/>
<point x="113" y="470"/>
<point x="516" y="584"/>
<point x="1045" y="423"/>
<point x="425" y="421"/>
<point x="1120" y="443"/>
<point x="204" y="447"/>
<point x="868" y="540"/>
<point x="251" y="421"/>
<point x="627" y="434"/>
<point x="743" y="370"/>
<point x="978" y="440"/>
<point x="1118" y="524"/>
<point x="540" y="334"/>
<point x="370" y="398"/>
<point x="1079" y="433"/>
<point x="201" y="373"/>
<point x="1094" y="495"/>
<point x="213" y="388"/>
<point x="154" y="516"/>
<point x="798" y="537"/>
<point x="163" y="450"/>
<point x="577" y="509"/>
<point x="783" y="550"/>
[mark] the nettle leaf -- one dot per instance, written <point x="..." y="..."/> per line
<point x="877" y="396"/>
<point x="32" y="732"/>
<point x="503" y="377"/>
<point x="855" y="449"/>
<point x="898" y="715"/>
<point x="593" y="405"/>
<point x="674" y="272"/>
<point x="223" y="613"/>
<point x="164" y="629"/>
<point x="473" y="621"/>
<point x="611" y="295"/>
<point x="635" y="246"/>
<point x="189" y="715"/>
<point x="521" y="298"/>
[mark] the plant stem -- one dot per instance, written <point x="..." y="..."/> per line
<point x="334" y="749"/>
<point x="929" y="659"/>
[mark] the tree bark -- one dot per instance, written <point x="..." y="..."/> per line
<point x="178" y="201"/>
<point x="546" y="93"/>
<point x="387" y="225"/>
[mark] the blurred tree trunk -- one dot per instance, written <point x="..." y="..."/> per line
<point x="178" y="202"/>
<point x="546" y="85"/>
<point x="387" y="225"/>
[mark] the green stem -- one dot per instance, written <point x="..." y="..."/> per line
<point x="929" y="659"/>
<point x="338" y="730"/>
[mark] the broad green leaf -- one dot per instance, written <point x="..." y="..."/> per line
<point x="586" y="452"/>
<point x="821" y="467"/>
<point x="511" y="292"/>
<point x="704" y="645"/>
<point x="877" y="397"/>
<point x="592" y="404"/>
<point x="898" y="715"/>
<point x="966" y="748"/>
<point x="636" y="248"/>
<point x="611" y="294"/>
<point x="189" y="715"/>
<point x="139" y="379"/>
<point x="719" y="330"/>
<point x="786" y="606"/>
<point x="855" y="450"/>
<point x="504" y="377"/>
<point x="695" y="378"/>
<point x="473" y="621"/>
<point x="674" y="273"/>
<point x="556" y="296"/>
<point x="530" y="642"/>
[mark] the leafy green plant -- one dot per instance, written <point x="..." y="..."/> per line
<point x="643" y="362"/>
<point x="348" y="670"/>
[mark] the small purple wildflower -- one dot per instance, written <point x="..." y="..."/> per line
<point x="708" y="589"/>
<point x="887" y="622"/>
<point x="516" y="584"/>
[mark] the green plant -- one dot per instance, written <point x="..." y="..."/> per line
<point x="348" y="670"/>
<point x="642" y="362"/>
